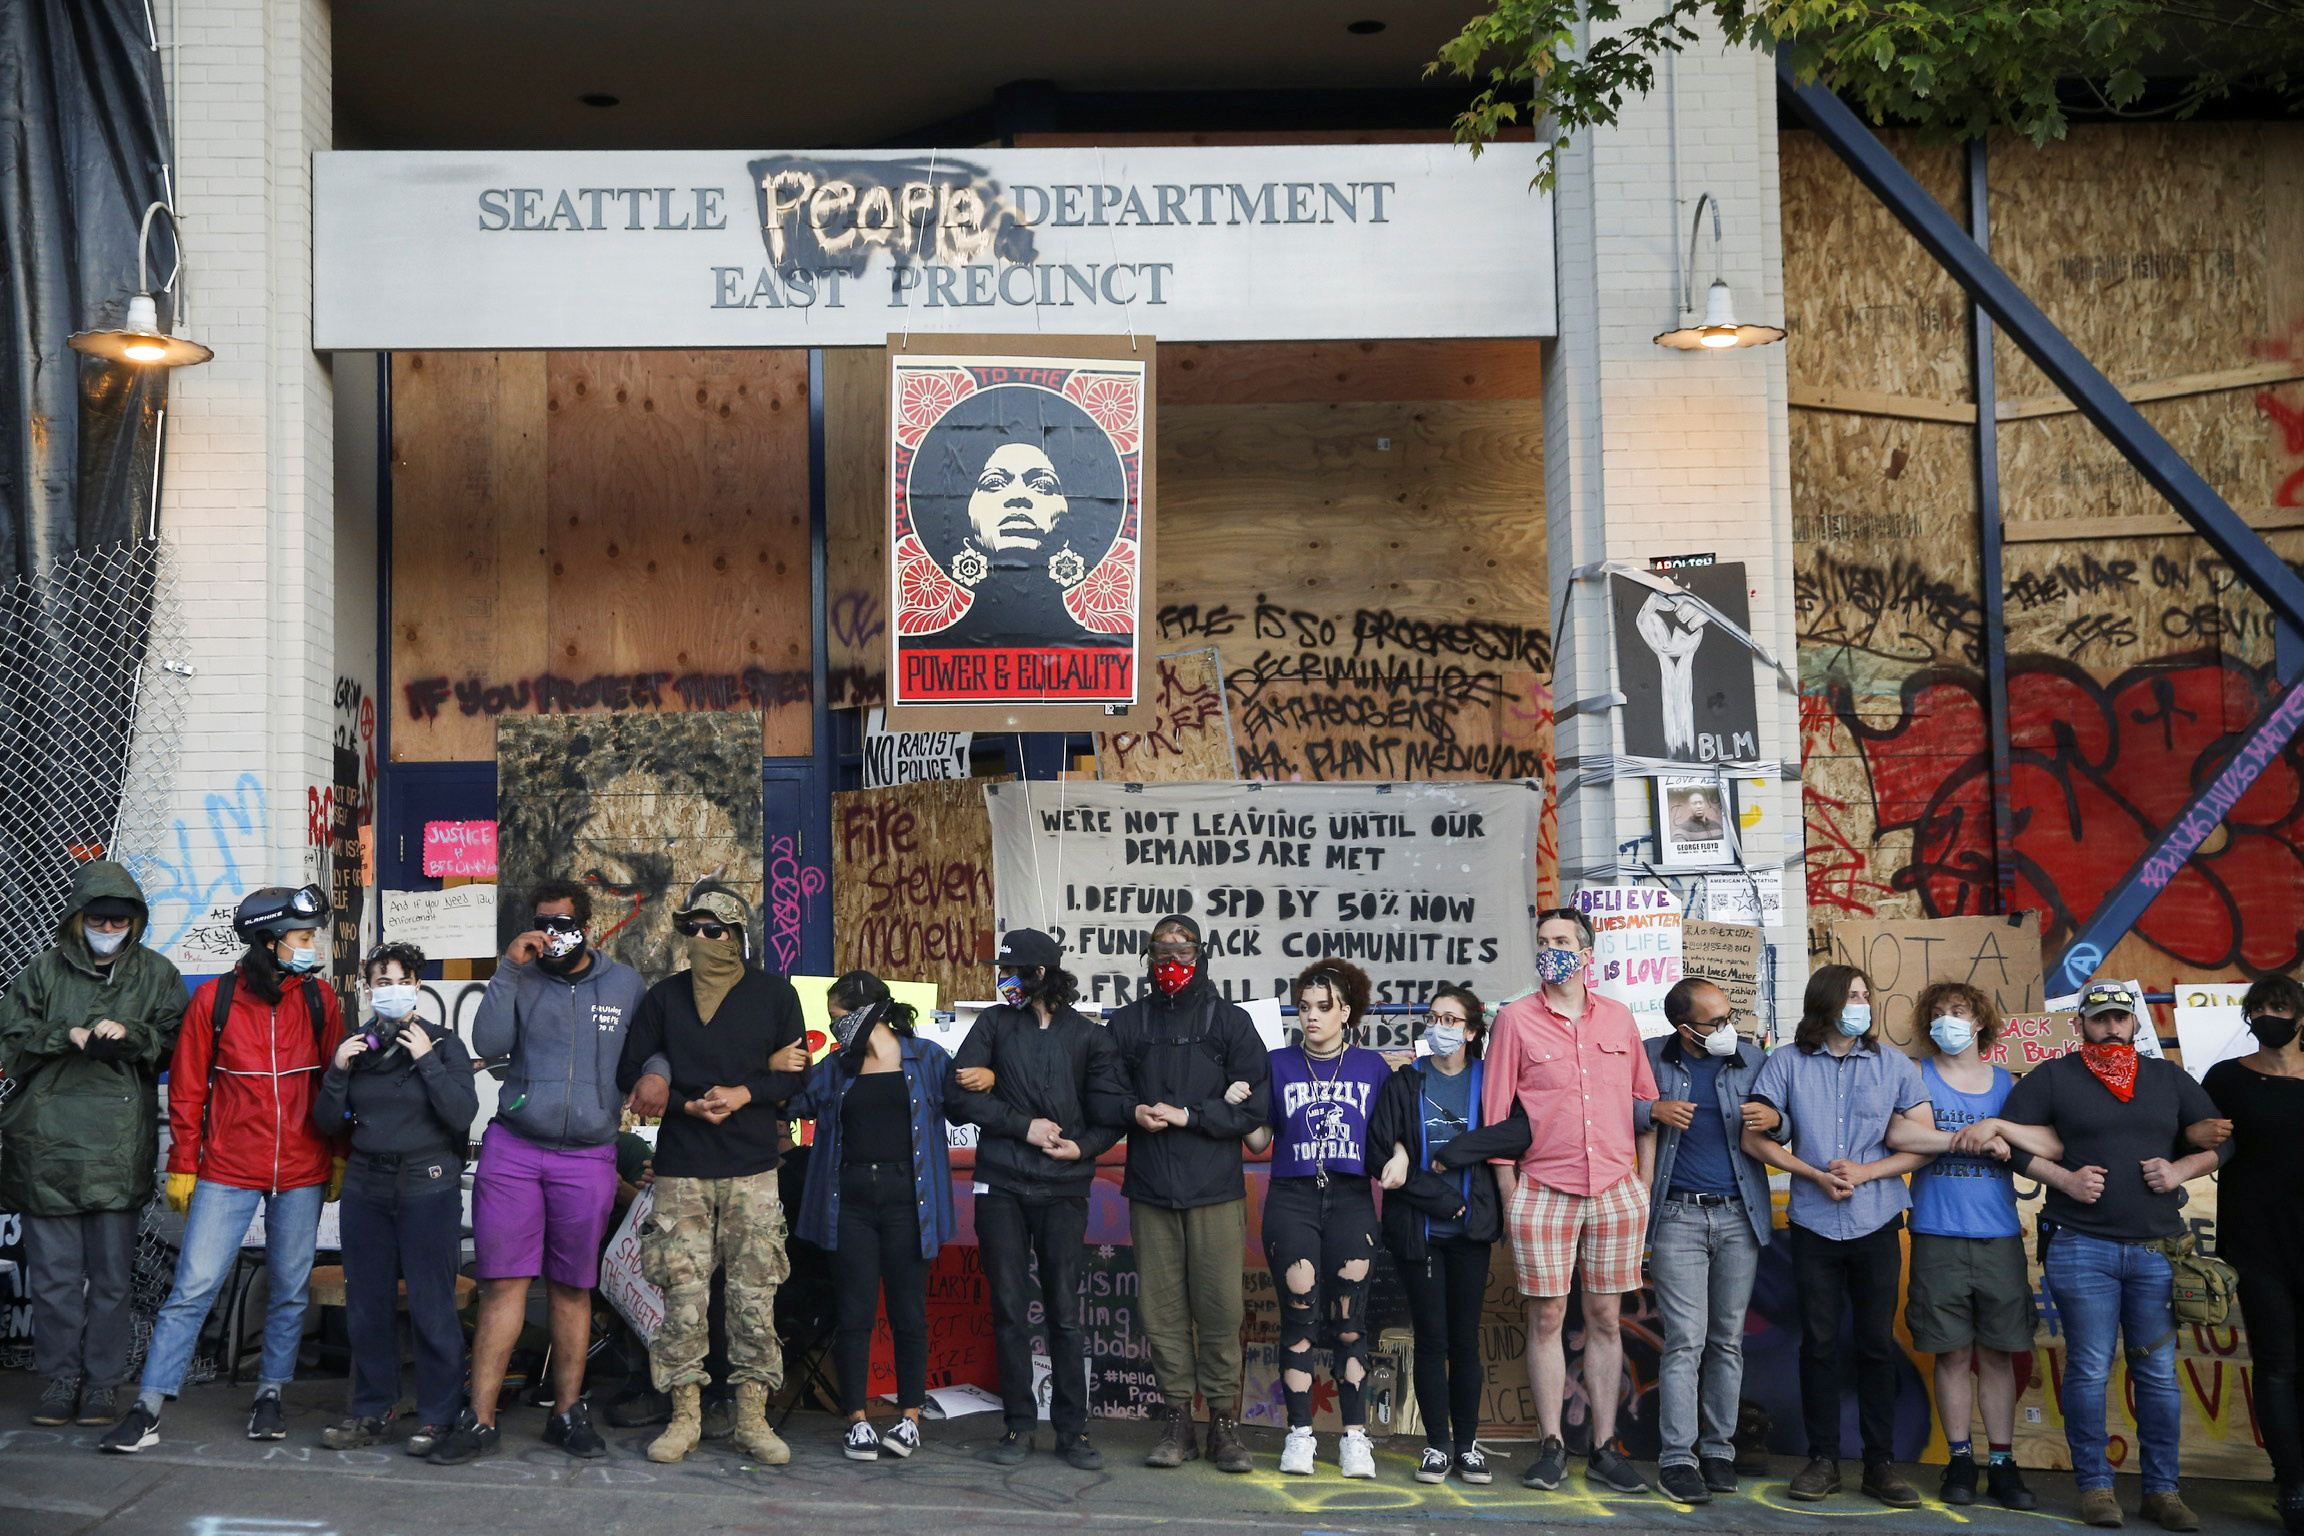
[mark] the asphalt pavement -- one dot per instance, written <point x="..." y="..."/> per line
<point x="206" y="1479"/>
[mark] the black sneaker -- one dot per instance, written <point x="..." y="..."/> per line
<point x="573" y="1432"/>
<point x="2005" y="1482"/>
<point x="1683" y="1484"/>
<point x="1613" y="1470"/>
<point x="99" y="1405"/>
<point x="355" y="1432"/>
<point x="861" y="1443"/>
<point x="424" y="1437"/>
<point x="1472" y="1466"/>
<point x="903" y="1437"/>
<point x="1009" y="1449"/>
<point x="268" y="1418"/>
<point x="1959" y="1484"/>
<point x="1550" y="1465"/>
<point x="1433" y="1467"/>
<point x="139" y="1431"/>
<point x="1720" y="1473"/>
<point x="467" y="1440"/>
<point x="59" y="1402"/>
<point x="1077" y="1452"/>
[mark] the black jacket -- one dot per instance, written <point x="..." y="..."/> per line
<point x="1398" y="1118"/>
<point x="1186" y="1050"/>
<point x="759" y="1017"/>
<point x="1069" y="1072"/>
<point x="398" y="1103"/>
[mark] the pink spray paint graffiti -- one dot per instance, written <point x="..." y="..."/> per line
<point x="790" y="884"/>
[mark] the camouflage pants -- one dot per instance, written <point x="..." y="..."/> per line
<point x="698" y="1226"/>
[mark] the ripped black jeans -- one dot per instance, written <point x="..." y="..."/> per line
<point x="1332" y="1231"/>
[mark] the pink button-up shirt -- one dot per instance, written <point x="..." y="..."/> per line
<point x="1578" y="1082"/>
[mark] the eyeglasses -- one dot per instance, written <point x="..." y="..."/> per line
<point x="559" y="922"/>
<point x="1446" y="1021"/>
<point x="1176" y="951"/>
<point x="695" y="930"/>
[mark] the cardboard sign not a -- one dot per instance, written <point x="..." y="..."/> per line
<point x="1999" y="956"/>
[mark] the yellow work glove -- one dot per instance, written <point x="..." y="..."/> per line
<point x="335" y="1178"/>
<point x="180" y="1191"/>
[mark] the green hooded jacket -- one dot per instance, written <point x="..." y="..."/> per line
<point x="79" y="1133"/>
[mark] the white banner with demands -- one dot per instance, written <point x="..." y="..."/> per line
<point x="837" y="248"/>
<point x="1415" y="883"/>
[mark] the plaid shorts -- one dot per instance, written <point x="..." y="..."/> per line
<point x="1554" y="1235"/>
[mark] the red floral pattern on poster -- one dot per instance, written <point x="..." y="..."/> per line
<point x="924" y="394"/>
<point x="928" y="600"/>
<point x="1113" y="403"/>
<point x="1106" y="600"/>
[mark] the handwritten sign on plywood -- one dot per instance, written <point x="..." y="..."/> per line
<point x="912" y="884"/>
<point x="1999" y="956"/>
<point x="1729" y="956"/>
<point x="1190" y="733"/>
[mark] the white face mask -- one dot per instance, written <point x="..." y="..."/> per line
<point x="104" y="943"/>
<point x="1952" y="1033"/>
<point x="1722" y="1041"/>
<point x="393" y="1002"/>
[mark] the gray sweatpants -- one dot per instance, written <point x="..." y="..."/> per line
<point x="78" y="1270"/>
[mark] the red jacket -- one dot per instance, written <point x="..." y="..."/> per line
<point x="259" y="1131"/>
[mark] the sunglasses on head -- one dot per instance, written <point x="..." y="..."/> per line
<point x="689" y="929"/>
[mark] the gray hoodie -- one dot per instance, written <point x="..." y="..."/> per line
<point x="564" y="1036"/>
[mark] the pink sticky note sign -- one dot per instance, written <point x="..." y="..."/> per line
<point x="460" y="848"/>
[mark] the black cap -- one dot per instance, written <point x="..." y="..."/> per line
<point x="112" y="909"/>
<point x="1022" y="949"/>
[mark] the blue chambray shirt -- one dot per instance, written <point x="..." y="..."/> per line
<point x="927" y="1073"/>
<point x="1840" y="1106"/>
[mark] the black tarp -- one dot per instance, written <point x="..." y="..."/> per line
<point x="83" y="143"/>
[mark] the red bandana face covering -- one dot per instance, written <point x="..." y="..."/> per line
<point x="1172" y="976"/>
<point x="2114" y="1064"/>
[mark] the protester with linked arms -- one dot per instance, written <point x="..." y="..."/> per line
<point x="554" y="1016"/>
<point x="878" y="1195"/>
<point x="1442" y="1217"/>
<point x="83" y="1031"/>
<point x="1320" y="1210"/>
<point x="1709" y="1219"/>
<point x="241" y="1086"/>
<point x="2260" y="1219"/>
<point x="1839" y="1086"/>
<point x="1197" y="1072"/>
<point x="402" y="1088"/>
<point x="1059" y="1100"/>
<point x="1576" y="1201"/>
<point x="2123" y="1122"/>
<point x="1970" y="1298"/>
<point x="732" y="1048"/>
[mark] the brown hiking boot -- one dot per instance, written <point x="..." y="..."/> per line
<point x="2170" y="1510"/>
<point x="2098" y="1507"/>
<point x="1819" y="1479"/>
<point x="1882" y="1483"/>
<point x="1178" y="1444"/>
<point x="1224" y="1447"/>
<point x="685" y="1429"/>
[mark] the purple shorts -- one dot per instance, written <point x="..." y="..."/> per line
<point x="540" y="1211"/>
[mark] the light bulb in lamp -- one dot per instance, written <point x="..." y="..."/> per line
<point x="1719" y="329"/>
<point x="140" y="340"/>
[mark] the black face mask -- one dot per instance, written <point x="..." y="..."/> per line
<point x="2272" y="1032"/>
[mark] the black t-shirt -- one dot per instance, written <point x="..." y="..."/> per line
<point x="2100" y="1131"/>
<point x="2260" y="1193"/>
<point x="759" y="1017"/>
<point x="876" y="1119"/>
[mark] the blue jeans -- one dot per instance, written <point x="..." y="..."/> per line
<point x="2100" y="1289"/>
<point x="1702" y="1260"/>
<point x="213" y="1229"/>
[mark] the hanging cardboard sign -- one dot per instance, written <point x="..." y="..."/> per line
<point x="1729" y="956"/>
<point x="1999" y="956"/>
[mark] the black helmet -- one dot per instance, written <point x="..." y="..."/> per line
<point x="275" y="910"/>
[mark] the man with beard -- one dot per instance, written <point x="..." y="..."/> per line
<point x="727" y="1041"/>
<point x="1197" y="1070"/>
<point x="554" y="1015"/>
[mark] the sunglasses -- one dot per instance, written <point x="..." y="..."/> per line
<point x="693" y="930"/>
<point x="560" y="922"/>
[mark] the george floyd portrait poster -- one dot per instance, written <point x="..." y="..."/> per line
<point x="1020" y="521"/>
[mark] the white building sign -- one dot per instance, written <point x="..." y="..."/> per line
<point x="839" y="248"/>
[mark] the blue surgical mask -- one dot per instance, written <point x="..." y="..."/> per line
<point x="1557" y="965"/>
<point x="1952" y="1033"/>
<point x="393" y="1002"/>
<point x="1011" y="989"/>
<point x="1856" y="1019"/>
<point x="303" y="961"/>
<point x="1444" y="1039"/>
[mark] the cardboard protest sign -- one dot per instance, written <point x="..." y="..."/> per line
<point x="1635" y="948"/>
<point x="1729" y="956"/>
<point x="2028" y="1039"/>
<point x="1999" y="956"/>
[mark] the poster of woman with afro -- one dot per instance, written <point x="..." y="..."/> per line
<point x="1017" y="526"/>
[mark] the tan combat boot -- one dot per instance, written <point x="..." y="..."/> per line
<point x="752" y="1435"/>
<point x="687" y="1426"/>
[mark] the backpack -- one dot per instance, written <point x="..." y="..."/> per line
<point x="221" y="1013"/>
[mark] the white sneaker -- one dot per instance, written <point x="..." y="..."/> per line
<point x="1354" y="1455"/>
<point x="861" y="1443"/>
<point x="1298" y="1451"/>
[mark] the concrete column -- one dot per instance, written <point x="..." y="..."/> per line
<point x="1651" y="451"/>
<point x="246" y="499"/>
